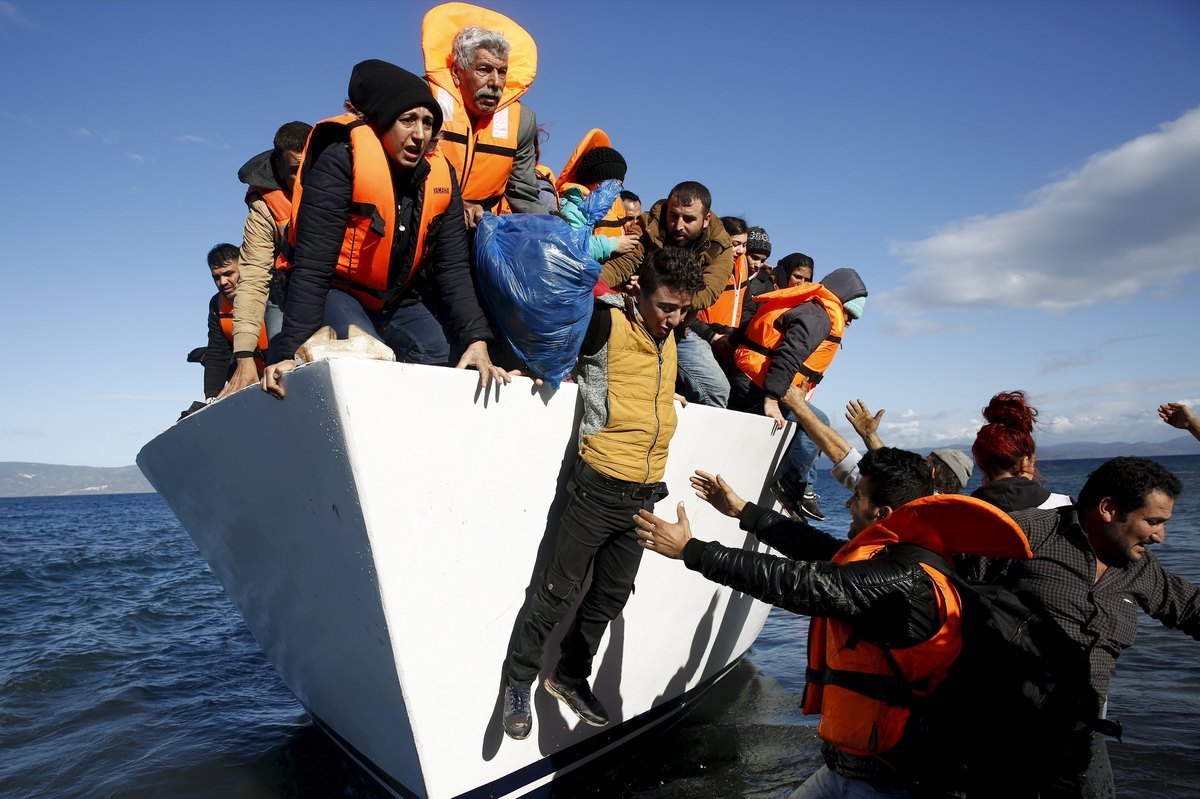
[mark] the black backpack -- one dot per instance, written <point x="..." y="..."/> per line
<point x="1010" y="703"/>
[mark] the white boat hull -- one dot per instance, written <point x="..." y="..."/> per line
<point x="382" y="530"/>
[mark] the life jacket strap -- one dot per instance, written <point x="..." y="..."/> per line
<point x="368" y="210"/>
<point x="886" y="688"/>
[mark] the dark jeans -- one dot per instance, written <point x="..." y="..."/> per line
<point x="1084" y="771"/>
<point x="798" y="470"/>
<point x="412" y="331"/>
<point x="596" y="531"/>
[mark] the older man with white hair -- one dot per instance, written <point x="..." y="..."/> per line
<point x="479" y="63"/>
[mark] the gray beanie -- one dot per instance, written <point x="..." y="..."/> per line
<point x="957" y="462"/>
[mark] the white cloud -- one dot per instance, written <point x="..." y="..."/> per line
<point x="10" y="12"/>
<point x="141" y="159"/>
<point x="207" y="141"/>
<point x="1127" y="221"/>
<point x="106" y="136"/>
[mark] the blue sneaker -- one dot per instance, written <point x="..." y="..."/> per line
<point x="518" y="720"/>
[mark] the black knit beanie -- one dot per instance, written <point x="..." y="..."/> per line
<point x="383" y="91"/>
<point x="598" y="165"/>
<point x="757" y="240"/>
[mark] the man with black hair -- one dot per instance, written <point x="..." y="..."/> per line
<point x="264" y="257"/>
<point x="626" y="378"/>
<point x="885" y="627"/>
<point x="1091" y="570"/>
<point x="633" y="211"/>
<point x="218" y="355"/>
<point x="684" y="219"/>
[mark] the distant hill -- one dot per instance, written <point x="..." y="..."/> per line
<point x="52" y="480"/>
<point x="1182" y="445"/>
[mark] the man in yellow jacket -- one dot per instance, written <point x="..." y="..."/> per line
<point x="626" y="377"/>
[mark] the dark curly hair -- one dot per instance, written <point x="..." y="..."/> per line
<point x="897" y="476"/>
<point x="1008" y="435"/>
<point x="221" y="255"/>
<point x="674" y="267"/>
<point x="1127" y="481"/>
<point x="291" y="137"/>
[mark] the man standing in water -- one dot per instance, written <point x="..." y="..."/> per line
<point x="626" y="377"/>
<point x="1091" y="571"/>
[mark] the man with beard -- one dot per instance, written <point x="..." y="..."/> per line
<point x="1091" y="571"/>
<point x="218" y="357"/>
<point x="479" y="63"/>
<point x="684" y="219"/>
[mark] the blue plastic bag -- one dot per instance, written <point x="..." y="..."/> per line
<point x="536" y="278"/>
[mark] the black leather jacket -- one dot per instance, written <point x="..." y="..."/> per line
<point x="889" y="601"/>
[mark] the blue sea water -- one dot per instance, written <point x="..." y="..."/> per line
<point x="126" y="672"/>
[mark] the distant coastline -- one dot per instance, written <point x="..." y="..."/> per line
<point x="20" y="479"/>
<point x="23" y="479"/>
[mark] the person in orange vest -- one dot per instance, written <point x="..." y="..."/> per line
<point x="792" y="340"/>
<point x="479" y="63"/>
<point x="716" y="322"/>
<point x="263" y="261"/>
<point x="871" y="606"/>
<point x="380" y="237"/>
<point x="218" y="357"/>
<point x="762" y="273"/>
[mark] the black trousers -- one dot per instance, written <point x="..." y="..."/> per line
<point x="596" y="532"/>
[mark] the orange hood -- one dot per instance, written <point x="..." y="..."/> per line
<point x="442" y="23"/>
<point x="950" y="524"/>
<point x="591" y="140"/>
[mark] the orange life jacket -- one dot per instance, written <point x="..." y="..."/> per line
<point x="727" y="310"/>
<point x="225" y="318"/>
<point x="280" y="206"/>
<point x="763" y="335"/>
<point x="364" y="262"/>
<point x="854" y="684"/>
<point x="613" y="223"/>
<point x="481" y="153"/>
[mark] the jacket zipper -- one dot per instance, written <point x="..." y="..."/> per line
<point x="657" y="391"/>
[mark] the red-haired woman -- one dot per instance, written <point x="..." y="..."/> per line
<point x="1005" y="454"/>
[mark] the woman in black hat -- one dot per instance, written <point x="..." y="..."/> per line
<point x="380" y="238"/>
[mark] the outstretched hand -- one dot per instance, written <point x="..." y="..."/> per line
<point x="1181" y="416"/>
<point x="866" y="425"/>
<point x="661" y="536"/>
<point x="716" y="492"/>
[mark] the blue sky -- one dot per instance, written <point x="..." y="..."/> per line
<point x="1016" y="181"/>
